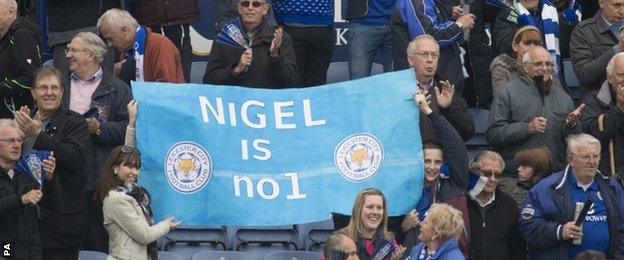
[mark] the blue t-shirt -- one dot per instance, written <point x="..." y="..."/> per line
<point x="379" y="12"/>
<point x="595" y="225"/>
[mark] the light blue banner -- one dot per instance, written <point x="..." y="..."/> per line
<point x="224" y="155"/>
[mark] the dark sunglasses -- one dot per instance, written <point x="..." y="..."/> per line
<point x="128" y="150"/>
<point x="255" y="4"/>
<point x="488" y="174"/>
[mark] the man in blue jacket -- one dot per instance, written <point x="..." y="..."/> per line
<point x="547" y="218"/>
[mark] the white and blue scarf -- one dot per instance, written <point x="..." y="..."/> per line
<point x="550" y="22"/>
<point x="139" y="53"/>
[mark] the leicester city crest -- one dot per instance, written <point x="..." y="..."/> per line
<point x="358" y="157"/>
<point x="188" y="167"/>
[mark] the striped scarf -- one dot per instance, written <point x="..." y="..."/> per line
<point x="550" y="23"/>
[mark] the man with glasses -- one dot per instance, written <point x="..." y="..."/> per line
<point x="604" y="117"/>
<point x="594" y="41"/>
<point x="19" y="56"/>
<point x="532" y="111"/>
<point x="267" y="62"/>
<point x="53" y="127"/>
<point x="494" y="232"/>
<point x="548" y="217"/>
<point x="423" y="54"/>
<point x="22" y="199"/>
<point x="102" y="99"/>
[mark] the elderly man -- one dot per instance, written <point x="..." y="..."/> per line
<point x="423" y="54"/>
<point x="494" y="232"/>
<point x="532" y="111"/>
<point x="150" y="56"/>
<point x="55" y="128"/>
<point x="269" y="62"/>
<point x="90" y="88"/>
<point x="20" y="194"/>
<point x="547" y="219"/>
<point x="19" y="56"/>
<point x="604" y="117"/>
<point x="594" y="41"/>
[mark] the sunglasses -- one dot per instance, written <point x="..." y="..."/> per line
<point x="488" y="174"/>
<point x="128" y="150"/>
<point x="255" y="4"/>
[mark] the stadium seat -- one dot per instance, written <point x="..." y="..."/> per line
<point x="198" y="68"/>
<point x="480" y="118"/>
<point x="312" y="236"/>
<point x="571" y="78"/>
<point x="293" y="255"/>
<point x="223" y="255"/>
<point x="263" y="240"/>
<point x="188" y="240"/>
<point x="162" y="255"/>
<point x="339" y="71"/>
<point x="91" y="255"/>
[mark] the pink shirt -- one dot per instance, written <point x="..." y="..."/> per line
<point x="82" y="90"/>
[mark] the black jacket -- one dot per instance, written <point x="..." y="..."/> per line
<point x="114" y="94"/>
<point x="166" y="13"/>
<point x="494" y="230"/>
<point x="264" y="72"/>
<point x="602" y="103"/>
<point x="67" y="136"/>
<point x="19" y="56"/>
<point x="19" y="224"/>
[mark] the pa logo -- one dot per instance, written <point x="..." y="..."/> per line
<point x="358" y="157"/>
<point x="188" y="167"/>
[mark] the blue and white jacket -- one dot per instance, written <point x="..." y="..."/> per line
<point x="549" y="206"/>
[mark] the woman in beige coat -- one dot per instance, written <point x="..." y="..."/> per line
<point x="127" y="213"/>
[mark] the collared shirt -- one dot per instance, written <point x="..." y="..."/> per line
<point x="616" y="29"/>
<point x="595" y="226"/>
<point x="483" y="205"/>
<point x="82" y="90"/>
<point x="421" y="87"/>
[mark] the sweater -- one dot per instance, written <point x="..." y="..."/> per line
<point x="309" y="12"/>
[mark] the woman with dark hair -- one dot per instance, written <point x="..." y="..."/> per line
<point x="368" y="227"/>
<point x="126" y="207"/>
<point x="506" y="68"/>
<point x="534" y="164"/>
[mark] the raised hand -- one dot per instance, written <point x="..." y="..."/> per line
<point x="49" y="165"/>
<point x="444" y="94"/>
<point x="574" y="116"/>
<point x="276" y="43"/>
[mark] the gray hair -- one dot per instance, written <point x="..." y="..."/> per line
<point x="412" y="45"/>
<point x="94" y="44"/>
<point x="5" y="122"/>
<point x="526" y="58"/>
<point x="117" y="19"/>
<point x="9" y="3"/>
<point x="494" y="156"/>
<point x="612" y="62"/>
<point x="574" y="141"/>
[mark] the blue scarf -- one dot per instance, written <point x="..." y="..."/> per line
<point x="139" y="52"/>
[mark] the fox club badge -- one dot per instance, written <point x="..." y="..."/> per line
<point x="188" y="167"/>
<point x="359" y="157"/>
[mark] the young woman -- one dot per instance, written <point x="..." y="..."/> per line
<point x="126" y="208"/>
<point x="368" y="227"/>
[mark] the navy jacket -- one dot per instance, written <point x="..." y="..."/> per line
<point x="549" y="206"/>
<point x="447" y="251"/>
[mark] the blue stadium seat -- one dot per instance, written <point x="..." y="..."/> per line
<point x="293" y="255"/>
<point x="263" y="240"/>
<point x="312" y="236"/>
<point x="198" y="68"/>
<point x="162" y="255"/>
<point x="91" y="255"/>
<point x="480" y="118"/>
<point x="188" y="240"/>
<point x="223" y="255"/>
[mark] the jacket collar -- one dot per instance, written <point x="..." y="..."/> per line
<point x="566" y="172"/>
<point x="601" y="24"/>
<point x="106" y="86"/>
<point x="604" y="94"/>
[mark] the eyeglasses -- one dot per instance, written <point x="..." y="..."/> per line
<point x="426" y="54"/>
<point x="53" y="88"/>
<point x="12" y="140"/>
<point x="488" y="173"/>
<point x="588" y="157"/>
<point x="255" y="4"/>
<point x="73" y="50"/>
<point x="547" y="64"/>
<point x="126" y="149"/>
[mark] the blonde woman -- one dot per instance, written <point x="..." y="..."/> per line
<point x="439" y="233"/>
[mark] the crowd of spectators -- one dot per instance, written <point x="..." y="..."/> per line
<point x="548" y="153"/>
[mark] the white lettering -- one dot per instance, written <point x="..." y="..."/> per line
<point x="261" y="117"/>
<point x="244" y="149"/>
<point x="237" y="181"/>
<point x="274" y="188"/>
<point x="232" y="109"/>
<point x="279" y="115"/>
<point x="217" y="113"/>
<point x="340" y="39"/>
<point x="266" y="152"/>
<point x="307" y="115"/>
<point x="294" y="183"/>
<point x="338" y="12"/>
